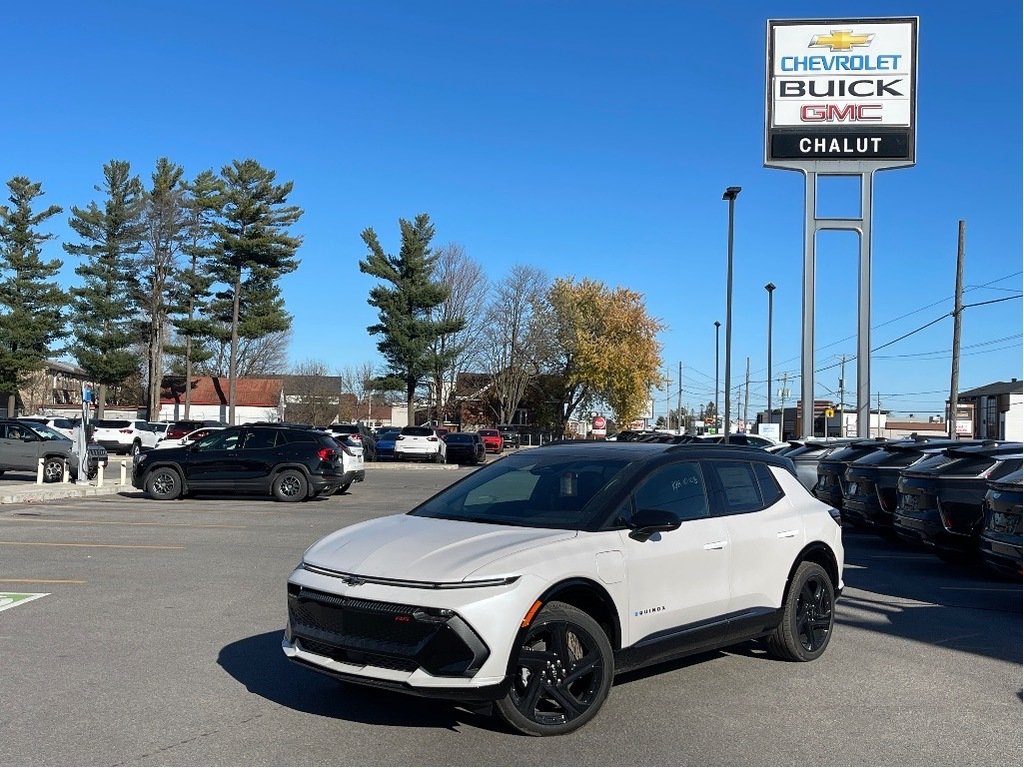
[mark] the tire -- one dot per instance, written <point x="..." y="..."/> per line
<point x="398" y="456"/>
<point x="439" y="458"/>
<point x="807" y="615"/>
<point x="290" y="485"/>
<point x="163" y="484"/>
<point x="135" y="450"/>
<point x="562" y="673"/>
<point x="53" y="469"/>
<point x="343" y="488"/>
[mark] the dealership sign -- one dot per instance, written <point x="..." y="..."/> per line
<point x="841" y="90"/>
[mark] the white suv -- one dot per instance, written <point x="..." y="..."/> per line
<point x="533" y="581"/>
<point x="124" y="435"/>
<point x="420" y="443"/>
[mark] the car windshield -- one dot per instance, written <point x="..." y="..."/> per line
<point x="536" y="491"/>
<point x="456" y="437"/>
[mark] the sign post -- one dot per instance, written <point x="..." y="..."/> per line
<point x="841" y="101"/>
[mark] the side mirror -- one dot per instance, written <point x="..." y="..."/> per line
<point x="647" y="522"/>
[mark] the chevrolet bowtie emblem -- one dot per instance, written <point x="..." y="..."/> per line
<point x="840" y="40"/>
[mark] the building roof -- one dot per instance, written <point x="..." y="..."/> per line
<point x="213" y="390"/>
<point x="1012" y="387"/>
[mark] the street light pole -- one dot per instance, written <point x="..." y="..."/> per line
<point x="717" y="326"/>
<point x="730" y="195"/>
<point x="770" y="287"/>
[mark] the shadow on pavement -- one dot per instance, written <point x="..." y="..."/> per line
<point x="912" y="594"/>
<point x="259" y="664"/>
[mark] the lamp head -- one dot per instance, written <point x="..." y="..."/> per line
<point x="731" y="193"/>
<point x="717" y="324"/>
<point x="770" y="287"/>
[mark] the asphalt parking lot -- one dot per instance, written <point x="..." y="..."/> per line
<point x="157" y="642"/>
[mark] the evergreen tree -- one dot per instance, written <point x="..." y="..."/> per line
<point x="104" y="308"/>
<point x="254" y="248"/>
<point x="407" y="330"/>
<point x="192" y="325"/>
<point x="165" y="231"/>
<point x="30" y="301"/>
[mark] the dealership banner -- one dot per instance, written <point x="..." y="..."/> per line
<point x="841" y="90"/>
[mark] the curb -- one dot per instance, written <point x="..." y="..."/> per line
<point x="64" y="491"/>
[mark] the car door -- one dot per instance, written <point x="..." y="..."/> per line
<point x="23" y="447"/>
<point x="258" y="456"/>
<point x="678" y="578"/>
<point x="212" y="463"/>
<point x="764" y="530"/>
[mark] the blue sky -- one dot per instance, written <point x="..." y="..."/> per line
<point x="591" y="139"/>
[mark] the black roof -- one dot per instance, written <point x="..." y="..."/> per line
<point x="1013" y="387"/>
<point x="637" y="450"/>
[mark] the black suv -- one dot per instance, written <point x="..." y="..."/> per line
<point x="940" y="499"/>
<point x="832" y="468"/>
<point x="510" y="435"/>
<point x="290" y="463"/>
<point x="869" y="493"/>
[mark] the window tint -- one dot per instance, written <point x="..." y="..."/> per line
<point x="457" y="438"/>
<point x="770" y="490"/>
<point x="221" y="441"/>
<point x="259" y="439"/>
<point x="418" y="431"/>
<point x="739" y="486"/>
<point x="110" y="423"/>
<point x="676" y="488"/>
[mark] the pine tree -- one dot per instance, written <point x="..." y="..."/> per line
<point x="253" y="247"/>
<point x="30" y="301"/>
<point x="104" y="308"/>
<point x="407" y="330"/>
<point x="165" y="231"/>
<point x="192" y="325"/>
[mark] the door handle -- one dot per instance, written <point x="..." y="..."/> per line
<point x="715" y="545"/>
<point x="786" y="534"/>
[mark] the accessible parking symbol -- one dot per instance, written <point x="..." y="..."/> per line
<point x="11" y="599"/>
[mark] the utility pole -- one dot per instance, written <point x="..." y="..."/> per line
<point x="679" y="401"/>
<point x="842" y="397"/>
<point x="668" y="400"/>
<point x="746" y="397"/>
<point x="958" y="308"/>
<point x="783" y="394"/>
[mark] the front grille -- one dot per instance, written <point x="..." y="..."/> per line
<point x="390" y="635"/>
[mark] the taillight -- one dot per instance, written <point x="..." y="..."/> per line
<point x="399" y="437"/>
<point x="432" y="439"/>
<point x="326" y="454"/>
<point x="125" y="431"/>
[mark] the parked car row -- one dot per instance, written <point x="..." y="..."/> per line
<point x="960" y="499"/>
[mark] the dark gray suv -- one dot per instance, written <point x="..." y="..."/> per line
<point x="23" y="444"/>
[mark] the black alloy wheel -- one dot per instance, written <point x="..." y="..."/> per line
<point x="290" y="485"/>
<point x="136" y="449"/>
<point x="562" y="673"/>
<point x="163" y="484"/>
<point x="808" y="616"/>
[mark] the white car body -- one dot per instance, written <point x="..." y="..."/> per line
<point x="124" y="435"/>
<point x="491" y="575"/>
<point x="420" y="443"/>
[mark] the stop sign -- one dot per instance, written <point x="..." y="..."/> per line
<point x="599" y="423"/>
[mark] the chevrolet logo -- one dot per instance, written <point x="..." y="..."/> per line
<point x="841" y="40"/>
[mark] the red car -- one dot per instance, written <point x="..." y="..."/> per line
<point x="493" y="442"/>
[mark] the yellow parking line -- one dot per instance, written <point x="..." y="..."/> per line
<point x="117" y="522"/>
<point x="90" y="546"/>
<point x="41" y="581"/>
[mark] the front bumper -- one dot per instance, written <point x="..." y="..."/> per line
<point x="451" y="643"/>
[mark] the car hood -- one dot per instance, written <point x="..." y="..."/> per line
<point x="413" y="548"/>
